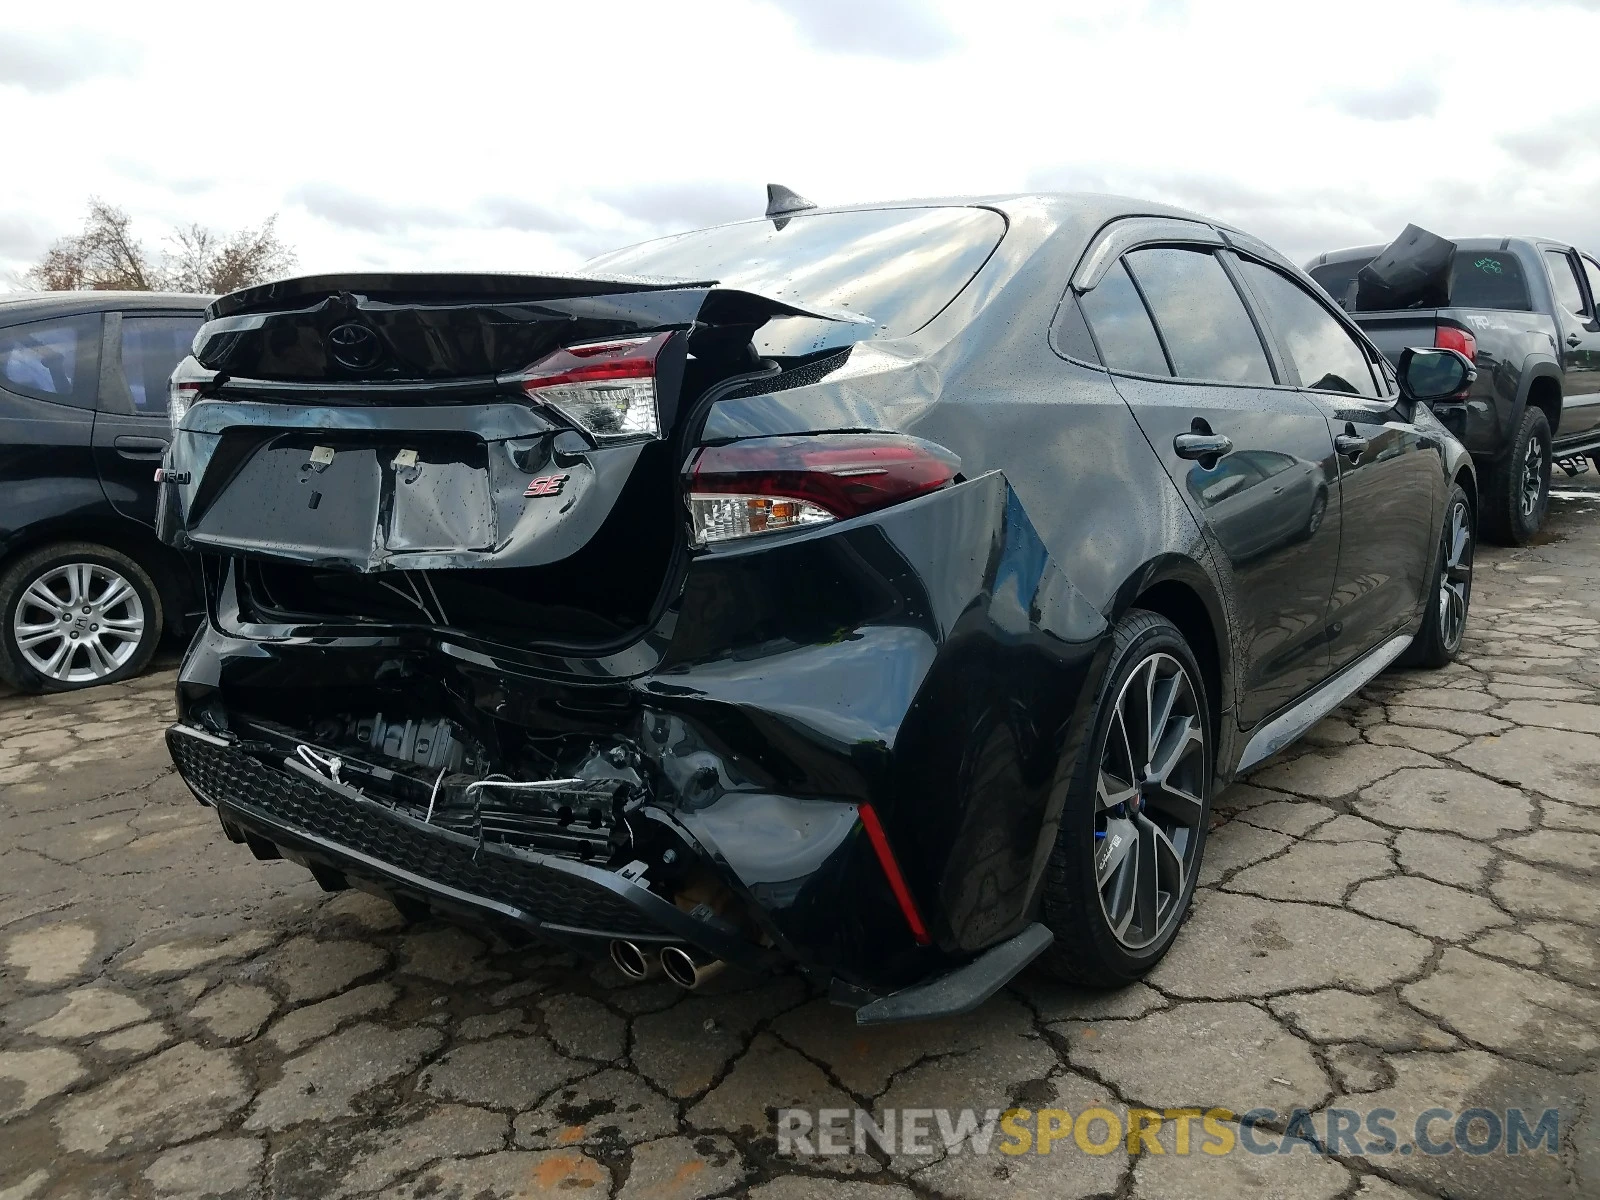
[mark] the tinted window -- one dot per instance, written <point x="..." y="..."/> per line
<point x="899" y="266"/>
<point x="1122" y="327"/>
<point x="1478" y="279"/>
<point x="51" y="360"/>
<point x="1327" y="357"/>
<point x="1569" y="295"/>
<point x="1489" y="279"/>
<point x="151" y="348"/>
<point x="1204" y="323"/>
<point x="1071" y="333"/>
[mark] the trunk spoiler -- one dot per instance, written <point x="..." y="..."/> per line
<point x="451" y="327"/>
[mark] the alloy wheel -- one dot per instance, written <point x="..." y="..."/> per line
<point x="1532" y="477"/>
<point x="1455" y="576"/>
<point x="78" y="622"/>
<point x="1149" y="801"/>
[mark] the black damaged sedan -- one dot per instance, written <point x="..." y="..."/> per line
<point x="884" y="590"/>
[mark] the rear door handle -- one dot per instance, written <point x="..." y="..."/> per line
<point x="1574" y="340"/>
<point x="1351" y="445"/>
<point x="1201" y="445"/>
<point x="143" y="448"/>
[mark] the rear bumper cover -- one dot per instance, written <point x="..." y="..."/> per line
<point x="929" y="660"/>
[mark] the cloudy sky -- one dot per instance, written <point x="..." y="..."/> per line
<point x="535" y="134"/>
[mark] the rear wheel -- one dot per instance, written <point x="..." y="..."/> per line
<point x="75" y="615"/>
<point x="1516" y="490"/>
<point x="1445" y="621"/>
<point x="1122" y="872"/>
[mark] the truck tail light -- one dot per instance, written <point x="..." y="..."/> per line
<point x="1449" y="337"/>
<point x="764" y="485"/>
<point x="606" y="388"/>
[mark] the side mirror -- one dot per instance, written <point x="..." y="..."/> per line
<point x="1427" y="374"/>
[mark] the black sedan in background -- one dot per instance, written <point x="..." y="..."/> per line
<point x="885" y="590"/>
<point x="86" y="589"/>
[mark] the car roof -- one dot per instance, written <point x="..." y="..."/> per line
<point x="28" y="306"/>
<point x="1086" y="212"/>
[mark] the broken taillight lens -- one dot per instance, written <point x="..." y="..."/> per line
<point x="764" y="485"/>
<point x="606" y="388"/>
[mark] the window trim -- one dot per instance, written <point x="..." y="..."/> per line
<point x="1114" y="240"/>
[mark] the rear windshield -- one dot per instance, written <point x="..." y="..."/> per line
<point x="1478" y="279"/>
<point x="899" y="266"/>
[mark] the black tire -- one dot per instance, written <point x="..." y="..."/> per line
<point x="1506" y="517"/>
<point x="131" y="632"/>
<point x="1449" y="595"/>
<point x="1088" y="950"/>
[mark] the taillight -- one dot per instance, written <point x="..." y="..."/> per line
<point x="183" y="389"/>
<point x="764" y="485"/>
<point x="1448" y="337"/>
<point x="606" y="388"/>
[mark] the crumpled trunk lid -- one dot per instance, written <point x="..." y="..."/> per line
<point x="362" y="425"/>
<point x="369" y="427"/>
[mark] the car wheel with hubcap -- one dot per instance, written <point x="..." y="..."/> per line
<point x="76" y="615"/>
<point x="1444" y="622"/>
<point x="1122" y="872"/>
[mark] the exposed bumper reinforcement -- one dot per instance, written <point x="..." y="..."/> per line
<point x="963" y="989"/>
<point x="298" y="810"/>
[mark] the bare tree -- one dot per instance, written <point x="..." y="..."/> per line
<point x="205" y="262"/>
<point x="104" y="257"/>
<point x="107" y="257"/>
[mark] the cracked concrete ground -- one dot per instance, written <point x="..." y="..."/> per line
<point x="1401" y="913"/>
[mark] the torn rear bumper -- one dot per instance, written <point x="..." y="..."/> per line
<point x="928" y="660"/>
<point x="336" y="828"/>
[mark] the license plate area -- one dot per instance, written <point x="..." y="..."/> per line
<point x="321" y="496"/>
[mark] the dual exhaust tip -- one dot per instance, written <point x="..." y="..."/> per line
<point x="685" y="966"/>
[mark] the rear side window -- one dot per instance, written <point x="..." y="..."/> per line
<point x="1564" y="279"/>
<point x="52" y="360"/>
<point x="1327" y="357"/>
<point x="151" y="348"/>
<point x="1478" y="279"/>
<point x="1204" y="324"/>
<point x="1122" y="326"/>
<point x="1489" y="279"/>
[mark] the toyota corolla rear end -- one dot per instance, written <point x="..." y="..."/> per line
<point x="493" y="633"/>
